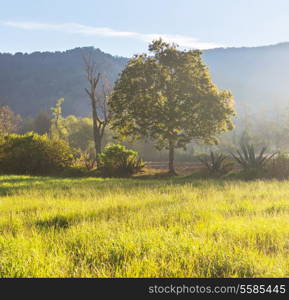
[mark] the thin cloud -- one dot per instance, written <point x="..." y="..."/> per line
<point x="75" y="28"/>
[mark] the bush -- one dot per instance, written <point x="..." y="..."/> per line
<point x="252" y="174"/>
<point x="216" y="164"/>
<point x="279" y="167"/>
<point x="117" y="161"/>
<point x="34" y="154"/>
<point x="87" y="160"/>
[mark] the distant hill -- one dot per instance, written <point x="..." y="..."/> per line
<point x="258" y="77"/>
<point x="30" y="83"/>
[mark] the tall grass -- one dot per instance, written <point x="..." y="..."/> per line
<point x="143" y="228"/>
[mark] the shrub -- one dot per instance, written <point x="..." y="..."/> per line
<point x="247" y="158"/>
<point x="279" y="167"/>
<point x="252" y="174"/>
<point x="117" y="161"/>
<point x="199" y="156"/>
<point x="216" y="163"/>
<point x="87" y="160"/>
<point x="75" y="171"/>
<point x="34" y="154"/>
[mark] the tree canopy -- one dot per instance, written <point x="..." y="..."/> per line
<point x="169" y="97"/>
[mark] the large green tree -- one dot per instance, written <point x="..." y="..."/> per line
<point x="169" y="96"/>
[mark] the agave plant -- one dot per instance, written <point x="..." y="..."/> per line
<point x="247" y="158"/>
<point x="131" y="166"/>
<point x="214" y="162"/>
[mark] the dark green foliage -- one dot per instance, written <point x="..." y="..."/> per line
<point x="216" y="163"/>
<point x="248" y="159"/>
<point x="117" y="161"/>
<point x="42" y="123"/>
<point x="251" y="174"/>
<point x="34" y="154"/>
<point x="74" y="171"/>
<point x="278" y="167"/>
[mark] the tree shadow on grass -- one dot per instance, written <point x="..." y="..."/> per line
<point x="118" y="213"/>
<point x="59" y="221"/>
<point x="13" y="184"/>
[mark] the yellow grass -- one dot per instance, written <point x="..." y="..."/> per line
<point x="182" y="227"/>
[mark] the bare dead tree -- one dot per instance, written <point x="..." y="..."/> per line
<point x="9" y="121"/>
<point x="98" y="100"/>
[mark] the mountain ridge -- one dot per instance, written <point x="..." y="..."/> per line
<point x="257" y="76"/>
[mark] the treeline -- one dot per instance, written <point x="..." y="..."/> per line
<point x="251" y="128"/>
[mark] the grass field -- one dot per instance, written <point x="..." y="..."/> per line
<point x="182" y="227"/>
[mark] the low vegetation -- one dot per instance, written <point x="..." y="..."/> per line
<point x="35" y="154"/>
<point x="117" y="161"/>
<point x="279" y="167"/>
<point x="248" y="159"/>
<point x="216" y="164"/>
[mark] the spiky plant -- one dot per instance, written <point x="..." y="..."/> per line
<point x="214" y="162"/>
<point x="248" y="159"/>
<point x="131" y="166"/>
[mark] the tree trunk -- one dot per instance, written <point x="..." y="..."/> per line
<point x="96" y="131"/>
<point x="171" y="158"/>
<point x="98" y="144"/>
<point x="97" y="140"/>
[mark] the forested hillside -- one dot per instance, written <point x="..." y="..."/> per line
<point x="30" y="83"/>
<point x="257" y="76"/>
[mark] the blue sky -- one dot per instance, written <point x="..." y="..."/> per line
<point x="124" y="27"/>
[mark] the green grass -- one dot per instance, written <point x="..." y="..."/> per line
<point x="183" y="227"/>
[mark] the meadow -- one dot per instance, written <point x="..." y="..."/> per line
<point x="174" y="227"/>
